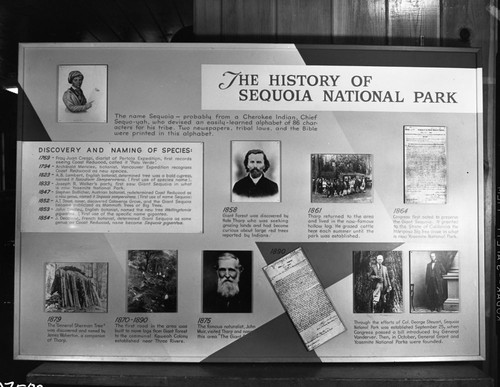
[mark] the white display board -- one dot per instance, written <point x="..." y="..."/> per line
<point x="156" y="182"/>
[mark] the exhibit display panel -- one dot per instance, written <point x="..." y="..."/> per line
<point x="248" y="203"/>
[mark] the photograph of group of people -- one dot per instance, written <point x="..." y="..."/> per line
<point x="341" y="178"/>
<point x="379" y="286"/>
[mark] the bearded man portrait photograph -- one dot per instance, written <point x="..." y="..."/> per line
<point x="256" y="171"/>
<point x="227" y="281"/>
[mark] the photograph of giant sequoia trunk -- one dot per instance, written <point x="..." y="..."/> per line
<point x="76" y="287"/>
<point x="152" y="281"/>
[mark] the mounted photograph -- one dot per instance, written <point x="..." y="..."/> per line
<point x="152" y="281"/>
<point x="255" y="171"/>
<point x="378" y="286"/>
<point x="341" y="178"/>
<point x="227" y="281"/>
<point x="434" y="281"/>
<point x="73" y="287"/>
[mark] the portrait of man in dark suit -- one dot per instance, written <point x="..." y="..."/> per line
<point x="227" y="277"/>
<point x="434" y="284"/>
<point x="434" y="281"/>
<point x="255" y="185"/>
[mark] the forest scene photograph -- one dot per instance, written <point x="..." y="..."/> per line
<point x="76" y="287"/>
<point x="152" y="281"/>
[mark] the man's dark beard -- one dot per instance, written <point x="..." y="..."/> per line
<point x="256" y="172"/>
<point x="227" y="288"/>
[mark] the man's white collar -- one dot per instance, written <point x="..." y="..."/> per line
<point x="255" y="181"/>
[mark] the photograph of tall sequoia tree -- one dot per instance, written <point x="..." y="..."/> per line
<point x="366" y="276"/>
<point x="76" y="287"/>
<point x="152" y="281"/>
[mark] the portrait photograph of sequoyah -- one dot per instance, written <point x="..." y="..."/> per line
<point x="378" y="286"/>
<point x="256" y="171"/>
<point x="341" y="178"/>
<point x="227" y="281"/>
<point x="82" y="93"/>
<point x="434" y="281"/>
<point x="152" y="281"/>
<point x="73" y="287"/>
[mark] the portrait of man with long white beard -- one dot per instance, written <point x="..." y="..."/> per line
<point x="227" y="282"/>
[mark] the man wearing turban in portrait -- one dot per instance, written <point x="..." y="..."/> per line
<point x="73" y="98"/>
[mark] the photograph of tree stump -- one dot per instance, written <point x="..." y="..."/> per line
<point x="76" y="287"/>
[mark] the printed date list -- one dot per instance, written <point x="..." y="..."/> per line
<point x="112" y="187"/>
